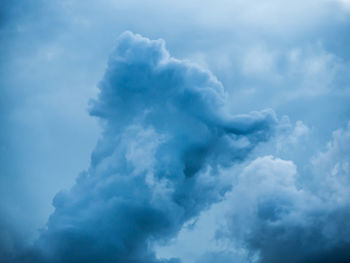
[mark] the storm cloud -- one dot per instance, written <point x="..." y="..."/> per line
<point x="167" y="133"/>
<point x="174" y="172"/>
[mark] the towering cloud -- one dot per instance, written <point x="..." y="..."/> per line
<point x="166" y="135"/>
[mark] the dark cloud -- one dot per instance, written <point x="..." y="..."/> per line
<point x="164" y="139"/>
<point x="166" y="133"/>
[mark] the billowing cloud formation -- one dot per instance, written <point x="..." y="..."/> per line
<point x="166" y="135"/>
<point x="290" y="218"/>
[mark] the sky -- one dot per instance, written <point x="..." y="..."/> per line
<point x="174" y="132"/>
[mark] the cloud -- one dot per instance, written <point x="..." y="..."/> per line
<point x="331" y="169"/>
<point x="298" y="67"/>
<point x="68" y="41"/>
<point x="221" y="257"/>
<point x="289" y="218"/>
<point x="166" y="134"/>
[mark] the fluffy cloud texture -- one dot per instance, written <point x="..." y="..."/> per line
<point x="173" y="157"/>
<point x="278" y="215"/>
<point x="167" y="133"/>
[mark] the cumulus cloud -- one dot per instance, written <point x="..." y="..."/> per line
<point x="285" y="218"/>
<point x="69" y="40"/>
<point x="53" y="54"/>
<point x="166" y="134"/>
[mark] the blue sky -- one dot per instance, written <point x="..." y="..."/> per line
<point x="189" y="132"/>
